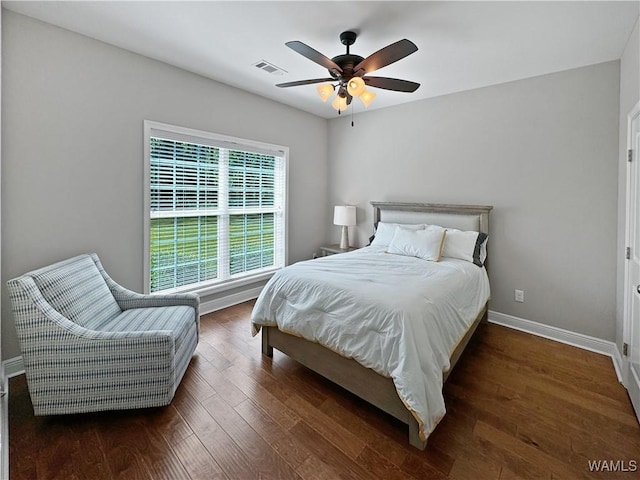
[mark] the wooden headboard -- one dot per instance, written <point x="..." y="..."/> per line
<point x="461" y="217"/>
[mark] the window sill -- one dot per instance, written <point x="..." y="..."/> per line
<point x="210" y="288"/>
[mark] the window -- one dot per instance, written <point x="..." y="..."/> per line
<point x="215" y="209"/>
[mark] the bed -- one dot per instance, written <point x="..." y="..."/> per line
<point x="363" y="319"/>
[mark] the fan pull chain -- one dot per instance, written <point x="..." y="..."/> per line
<point x="352" y="114"/>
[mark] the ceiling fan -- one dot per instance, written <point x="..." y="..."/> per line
<point x="350" y="71"/>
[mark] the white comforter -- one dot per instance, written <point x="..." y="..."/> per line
<point x="401" y="316"/>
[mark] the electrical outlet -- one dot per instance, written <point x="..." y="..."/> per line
<point x="519" y="294"/>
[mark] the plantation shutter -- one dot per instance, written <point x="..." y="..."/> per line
<point x="216" y="209"/>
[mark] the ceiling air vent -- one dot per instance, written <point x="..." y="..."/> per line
<point x="269" y="68"/>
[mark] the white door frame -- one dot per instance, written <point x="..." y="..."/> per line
<point x="628" y="294"/>
<point x="4" y="406"/>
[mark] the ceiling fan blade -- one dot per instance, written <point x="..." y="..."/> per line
<point x="391" y="84"/>
<point x="386" y="56"/>
<point x="305" y="82"/>
<point x="313" y="55"/>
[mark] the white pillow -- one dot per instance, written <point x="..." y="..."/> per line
<point x="433" y="227"/>
<point x="470" y="246"/>
<point x="384" y="232"/>
<point x="425" y="244"/>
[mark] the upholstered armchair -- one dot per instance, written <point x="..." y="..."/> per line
<point x="88" y="344"/>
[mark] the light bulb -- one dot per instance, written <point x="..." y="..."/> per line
<point x="355" y="87"/>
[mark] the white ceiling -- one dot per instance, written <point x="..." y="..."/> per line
<point x="462" y="45"/>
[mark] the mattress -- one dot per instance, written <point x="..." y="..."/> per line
<point x="400" y="316"/>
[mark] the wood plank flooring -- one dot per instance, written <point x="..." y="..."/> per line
<point x="519" y="407"/>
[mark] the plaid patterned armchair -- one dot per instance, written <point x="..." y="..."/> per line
<point x="89" y="344"/>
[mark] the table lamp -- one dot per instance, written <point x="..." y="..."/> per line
<point x="344" y="216"/>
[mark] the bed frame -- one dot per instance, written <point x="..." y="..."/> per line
<point x="349" y="374"/>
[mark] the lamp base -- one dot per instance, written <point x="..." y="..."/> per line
<point x="344" y="239"/>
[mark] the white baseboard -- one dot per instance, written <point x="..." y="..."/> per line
<point x="4" y="430"/>
<point x="13" y="366"/>
<point x="586" y="342"/>
<point x="229" y="300"/>
<point x="618" y="364"/>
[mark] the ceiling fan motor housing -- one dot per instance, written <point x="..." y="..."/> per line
<point x="347" y="61"/>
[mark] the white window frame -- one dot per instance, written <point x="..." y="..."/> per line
<point x="152" y="128"/>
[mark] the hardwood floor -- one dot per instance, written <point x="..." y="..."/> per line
<point x="519" y="407"/>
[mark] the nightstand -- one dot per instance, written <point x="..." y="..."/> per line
<point x="326" y="250"/>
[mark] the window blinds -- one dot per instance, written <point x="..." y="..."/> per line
<point x="216" y="213"/>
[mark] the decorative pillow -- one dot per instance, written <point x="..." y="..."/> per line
<point x="470" y="246"/>
<point x="385" y="231"/>
<point x="425" y="244"/>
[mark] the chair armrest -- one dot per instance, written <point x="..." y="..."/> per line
<point x="128" y="299"/>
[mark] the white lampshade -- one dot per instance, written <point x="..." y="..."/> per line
<point x="355" y="87"/>
<point x="325" y="90"/>
<point x="344" y="215"/>
<point x="367" y="97"/>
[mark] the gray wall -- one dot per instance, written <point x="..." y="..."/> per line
<point x="543" y="151"/>
<point x="72" y="150"/>
<point x="629" y="97"/>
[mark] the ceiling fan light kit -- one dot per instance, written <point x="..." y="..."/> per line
<point x="367" y="97"/>
<point x="339" y="103"/>
<point x="325" y="91"/>
<point x="350" y="70"/>
<point x="355" y="87"/>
